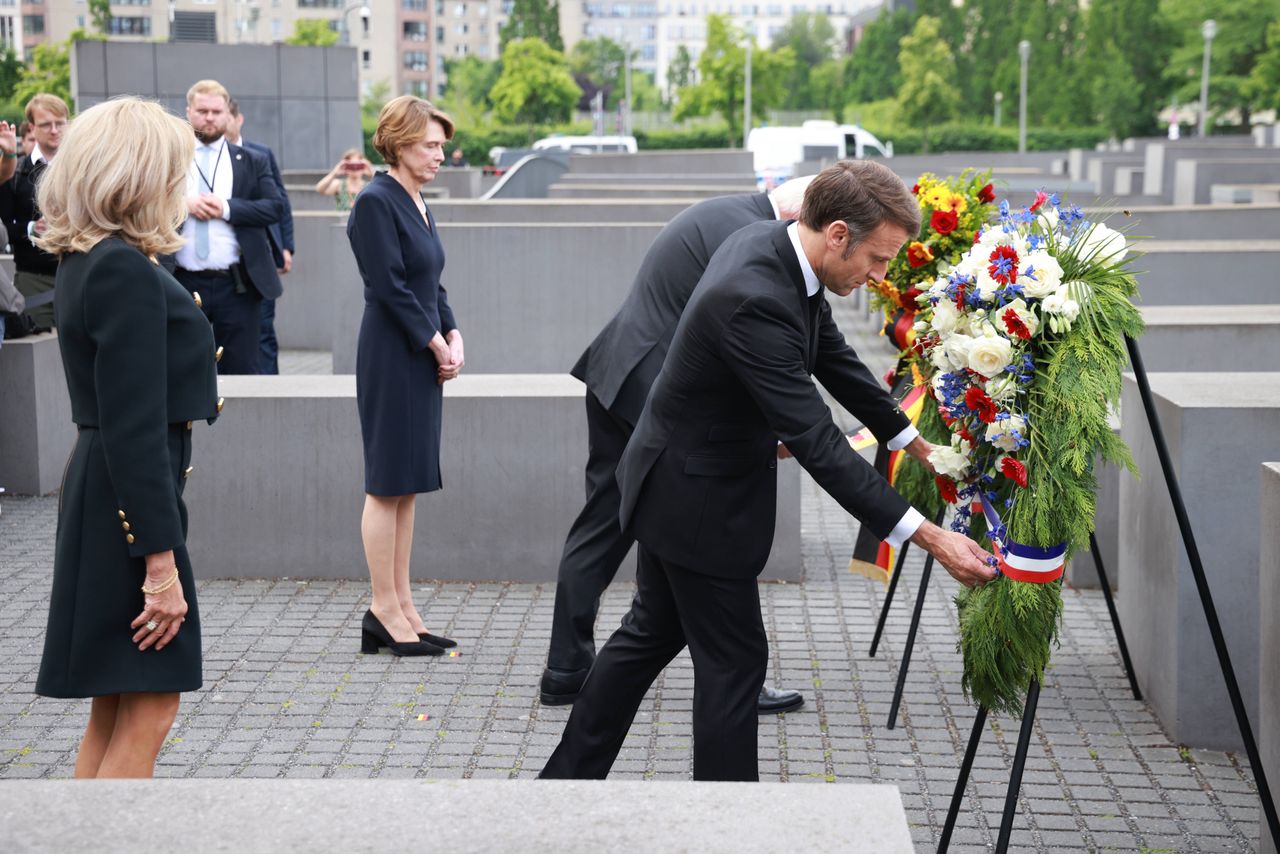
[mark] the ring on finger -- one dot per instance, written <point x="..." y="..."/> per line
<point x="151" y="625"/>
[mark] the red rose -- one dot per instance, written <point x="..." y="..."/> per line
<point x="944" y="222"/>
<point x="987" y="194"/>
<point x="915" y="189"/>
<point x="1041" y="198"/>
<point x="1015" y="325"/>
<point x="907" y="299"/>
<point x="977" y="400"/>
<point x="977" y="235"/>
<point x="1014" y="470"/>
<point x="946" y="488"/>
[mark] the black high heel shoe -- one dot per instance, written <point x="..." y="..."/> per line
<point x="374" y="635"/>
<point x="438" y="640"/>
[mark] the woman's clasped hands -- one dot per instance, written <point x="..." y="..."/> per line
<point x="449" y="355"/>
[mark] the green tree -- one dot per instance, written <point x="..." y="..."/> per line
<point x="1240" y="41"/>
<point x="928" y="94"/>
<point x="469" y="80"/>
<point x="532" y="19"/>
<point x="812" y="41"/>
<point x="314" y="32"/>
<point x="722" y="72"/>
<point x="680" y="73"/>
<point x="1127" y="47"/>
<point x="1263" y="87"/>
<point x="375" y="99"/>
<point x="871" y="74"/>
<point x="826" y="83"/>
<point x="599" y="65"/>
<point x="535" y="85"/>
<point x="100" y="14"/>
<point x="50" y="70"/>
<point x="10" y="73"/>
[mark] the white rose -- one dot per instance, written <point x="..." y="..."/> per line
<point x="993" y="237"/>
<point x="1070" y="310"/>
<point x="1046" y="275"/>
<point x="938" y="358"/>
<point x="1102" y="245"/>
<point x="951" y="460"/>
<point x="1002" y="387"/>
<point x="957" y="348"/>
<point x="1052" y="304"/>
<point x="1050" y="216"/>
<point x="989" y="355"/>
<point x="938" y="289"/>
<point x="1000" y="433"/>
<point x="986" y="285"/>
<point x="970" y="263"/>
<point x="1023" y="313"/>
<point x="945" y="317"/>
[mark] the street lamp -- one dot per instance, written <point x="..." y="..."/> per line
<point x="365" y="14"/>
<point x="626" y="116"/>
<point x="999" y="101"/>
<point x="1024" y="55"/>
<point x="746" y="89"/>
<point x="1209" y="29"/>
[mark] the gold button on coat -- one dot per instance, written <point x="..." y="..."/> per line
<point x="121" y="512"/>
<point x="221" y="401"/>
<point x="125" y="525"/>
<point x="190" y="424"/>
<point x="128" y="538"/>
<point x="217" y="354"/>
<point x="195" y="295"/>
<point x="188" y="470"/>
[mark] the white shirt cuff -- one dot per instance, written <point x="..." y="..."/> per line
<point x="900" y="441"/>
<point x="226" y="210"/>
<point x="905" y="528"/>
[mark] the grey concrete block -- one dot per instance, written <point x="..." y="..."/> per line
<point x="468" y="816"/>
<point x="302" y="72"/>
<point x="1082" y="570"/>
<point x="1269" y="636"/>
<point x="343" y="132"/>
<point x="1128" y="180"/>
<point x="682" y="162"/>
<point x="278" y="483"/>
<point x="527" y="297"/>
<point x="322" y="265"/>
<point x="1160" y="159"/>
<point x="546" y="211"/>
<point x="36" y="432"/>
<point x="130" y="70"/>
<point x="1193" y="178"/>
<point x="457" y="184"/>
<point x="1102" y="171"/>
<point x="89" y="70"/>
<point x="1211" y="337"/>
<point x="1195" y="222"/>
<point x="1190" y="272"/>
<point x="307" y="131"/>
<point x="262" y="121"/>
<point x="1244" y="194"/>
<point x="1219" y="427"/>
<point x="643" y="191"/>
<point x="340" y="72"/>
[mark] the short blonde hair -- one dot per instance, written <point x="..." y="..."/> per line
<point x="120" y="172"/>
<point x="208" y="87"/>
<point x="352" y="152"/>
<point x="45" y="101"/>
<point x="404" y="121"/>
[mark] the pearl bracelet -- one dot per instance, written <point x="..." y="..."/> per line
<point x="162" y="586"/>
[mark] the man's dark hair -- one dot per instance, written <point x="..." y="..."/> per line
<point x="232" y="107"/>
<point x="862" y="193"/>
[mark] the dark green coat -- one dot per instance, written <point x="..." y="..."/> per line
<point x="139" y="360"/>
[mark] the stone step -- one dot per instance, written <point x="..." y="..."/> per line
<point x="688" y="162"/>
<point x="734" y="182"/>
<point x="1193" y="178"/>
<point x="1208" y="272"/>
<point x="278" y="485"/>
<point x="616" y="191"/>
<point x="454" y="816"/>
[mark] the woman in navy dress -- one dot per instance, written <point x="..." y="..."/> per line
<point x="409" y="347"/>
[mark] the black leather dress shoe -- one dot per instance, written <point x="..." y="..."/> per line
<point x="561" y="687"/>
<point x="775" y="702"/>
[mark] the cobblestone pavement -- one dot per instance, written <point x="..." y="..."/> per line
<point x="287" y="695"/>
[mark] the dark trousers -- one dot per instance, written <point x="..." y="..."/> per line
<point x="235" y="317"/>
<point x="719" y="619"/>
<point x="269" y="350"/>
<point x="595" y="546"/>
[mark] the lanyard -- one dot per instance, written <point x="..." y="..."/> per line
<point x="208" y="182"/>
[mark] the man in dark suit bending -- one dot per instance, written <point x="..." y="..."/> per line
<point x="228" y="261"/>
<point x="698" y="477"/>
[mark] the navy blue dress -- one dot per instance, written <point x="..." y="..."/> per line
<point x="400" y="259"/>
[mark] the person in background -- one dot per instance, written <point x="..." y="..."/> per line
<point x="34" y="268"/>
<point x="458" y="158"/>
<point x="27" y="135"/>
<point x="139" y="358"/>
<point x="282" y="247"/>
<point x="347" y="178"/>
<point x="409" y="346"/>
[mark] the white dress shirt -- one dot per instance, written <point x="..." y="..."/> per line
<point x="224" y="251"/>
<point x="912" y="519"/>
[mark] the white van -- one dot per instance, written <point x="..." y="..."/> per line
<point x="777" y="150"/>
<point x="587" y="144"/>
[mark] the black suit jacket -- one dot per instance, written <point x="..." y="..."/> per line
<point x="698" y="478"/>
<point x="281" y="232"/>
<point x="622" y="362"/>
<point x="255" y="206"/>
<point x="138" y="355"/>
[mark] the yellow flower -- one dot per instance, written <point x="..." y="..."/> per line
<point x="956" y="202"/>
<point x="936" y="197"/>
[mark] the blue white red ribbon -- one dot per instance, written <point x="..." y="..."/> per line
<point x="1022" y="563"/>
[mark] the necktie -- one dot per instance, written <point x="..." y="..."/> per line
<point x="202" y="225"/>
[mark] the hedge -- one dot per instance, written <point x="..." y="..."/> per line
<point x="977" y="137"/>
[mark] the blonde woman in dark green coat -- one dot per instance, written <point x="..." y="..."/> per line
<point x="139" y="359"/>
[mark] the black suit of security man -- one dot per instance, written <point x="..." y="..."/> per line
<point x="619" y="368"/>
<point x="698" y="487"/>
<point x="231" y="298"/>
<point x="281" y="241"/>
